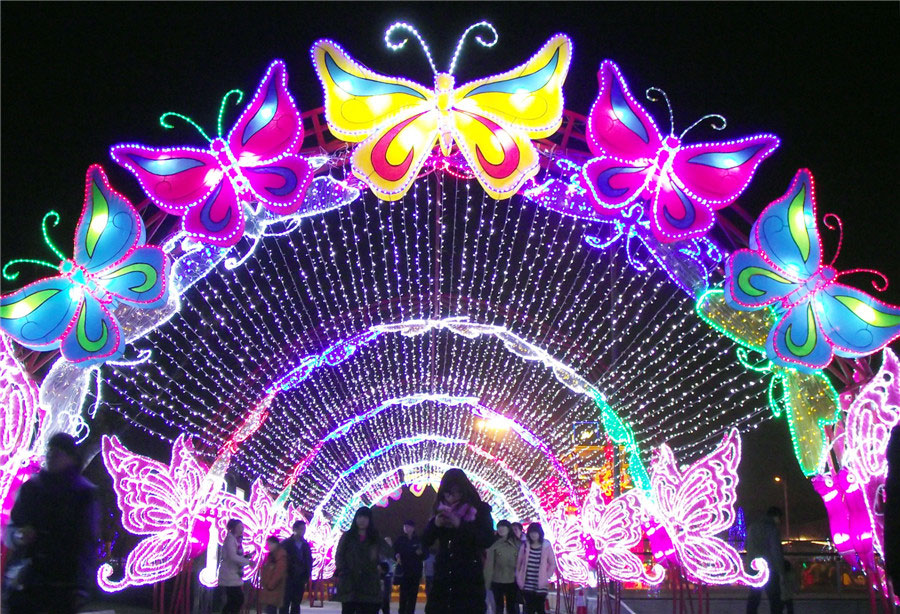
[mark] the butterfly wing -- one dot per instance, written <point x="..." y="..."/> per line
<point x="39" y="314"/>
<point x="616" y="529"/>
<point x="140" y="278"/>
<point x="174" y="178"/>
<point x="218" y="219"/>
<point x="527" y="98"/>
<point x="855" y="323"/>
<point x="393" y="118"/>
<point x="625" y="139"/>
<point x="501" y="158"/>
<point x="155" y="500"/>
<point x="618" y="126"/>
<point x="675" y="216"/>
<point x="270" y="125"/>
<point x="94" y="336"/>
<point x="797" y="341"/>
<point x="390" y="159"/>
<point x="752" y="282"/>
<point x="359" y="100"/>
<point x="812" y="404"/>
<point x="717" y="173"/>
<point x="785" y="232"/>
<point x="698" y="503"/>
<point x="748" y="328"/>
<point x="266" y="135"/>
<point x="109" y="225"/>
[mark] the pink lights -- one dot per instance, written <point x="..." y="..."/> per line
<point x="159" y="501"/>
<point x="20" y="424"/>
<point x="684" y="184"/>
<point x="691" y="507"/>
<point x="867" y="429"/>
<point x="615" y="529"/>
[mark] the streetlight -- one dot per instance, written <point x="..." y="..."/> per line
<point x="787" y="516"/>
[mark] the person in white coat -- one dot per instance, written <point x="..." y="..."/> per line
<point x="231" y="569"/>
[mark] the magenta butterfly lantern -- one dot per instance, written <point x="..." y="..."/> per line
<point x="256" y="162"/>
<point x="867" y="428"/>
<point x="682" y="184"/>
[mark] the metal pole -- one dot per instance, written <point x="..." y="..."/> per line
<point x="787" y="515"/>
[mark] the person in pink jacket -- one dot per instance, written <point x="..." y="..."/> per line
<point x="534" y="568"/>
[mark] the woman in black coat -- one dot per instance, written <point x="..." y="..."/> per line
<point x="463" y="528"/>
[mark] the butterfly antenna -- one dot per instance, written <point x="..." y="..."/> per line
<point x="714" y="117"/>
<point x="15" y="274"/>
<point x="879" y="274"/>
<point x="412" y="30"/>
<point x="240" y="97"/>
<point x="478" y="39"/>
<point x="651" y="94"/>
<point x="828" y="220"/>
<point x="46" y="234"/>
<point x="168" y="126"/>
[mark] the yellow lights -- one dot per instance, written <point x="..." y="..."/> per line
<point x="494" y="423"/>
<point x="777" y="478"/>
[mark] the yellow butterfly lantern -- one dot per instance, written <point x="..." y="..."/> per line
<point x="397" y="122"/>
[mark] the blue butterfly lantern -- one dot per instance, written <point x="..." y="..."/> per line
<point x="73" y="311"/>
<point x="817" y="317"/>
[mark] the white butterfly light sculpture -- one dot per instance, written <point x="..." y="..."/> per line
<point x="690" y="507"/>
<point x="616" y="528"/>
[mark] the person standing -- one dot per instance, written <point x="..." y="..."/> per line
<point x="463" y="529"/>
<point x="231" y="569"/>
<point x="409" y="554"/>
<point x="54" y="524"/>
<point x="500" y="569"/>
<point x="764" y="541"/>
<point x="299" y="568"/>
<point x="428" y="570"/>
<point x="534" y="568"/>
<point x="356" y="561"/>
<point x="273" y="576"/>
<point x="387" y="586"/>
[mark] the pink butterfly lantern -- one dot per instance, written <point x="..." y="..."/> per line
<point x="682" y="184"/>
<point x="256" y="162"/>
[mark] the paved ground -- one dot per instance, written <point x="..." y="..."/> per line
<point x="630" y="605"/>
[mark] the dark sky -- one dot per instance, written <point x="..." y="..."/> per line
<point x="77" y="78"/>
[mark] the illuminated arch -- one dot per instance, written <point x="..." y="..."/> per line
<point x="469" y="403"/>
<point x="528" y="494"/>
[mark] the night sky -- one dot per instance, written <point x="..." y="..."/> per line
<point x="77" y="78"/>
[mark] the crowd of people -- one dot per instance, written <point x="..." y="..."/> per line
<point x="468" y="567"/>
<point x="473" y="566"/>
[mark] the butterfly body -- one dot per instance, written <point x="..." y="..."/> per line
<point x="683" y="184"/>
<point x="256" y="162"/>
<point x="74" y="310"/>
<point x="397" y="122"/>
<point x="817" y="315"/>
